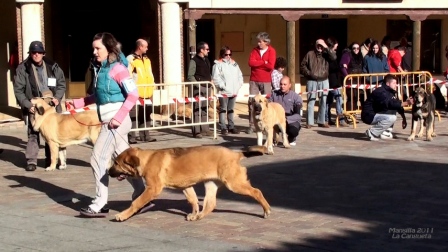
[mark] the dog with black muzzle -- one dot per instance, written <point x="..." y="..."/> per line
<point x="266" y="116"/>
<point x="423" y="110"/>
<point x="62" y="130"/>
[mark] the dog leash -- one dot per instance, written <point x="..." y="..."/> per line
<point x="72" y="111"/>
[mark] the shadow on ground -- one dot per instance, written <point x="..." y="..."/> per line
<point x="383" y="194"/>
<point x="58" y="194"/>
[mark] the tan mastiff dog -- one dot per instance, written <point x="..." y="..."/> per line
<point x="182" y="168"/>
<point x="62" y="130"/>
<point x="266" y="116"/>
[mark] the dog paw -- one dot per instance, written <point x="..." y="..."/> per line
<point x="429" y="138"/>
<point x="62" y="167"/>
<point x="410" y="139"/>
<point x="267" y="213"/>
<point x="192" y="217"/>
<point x="270" y="150"/>
<point x="433" y="134"/>
<point x="120" y="217"/>
<point x="419" y="135"/>
<point x="287" y="146"/>
<point x="49" y="168"/>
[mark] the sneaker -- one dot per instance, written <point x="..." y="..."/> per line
<point x="88" y="212"/>
<point x="249" y="130"/>
<point x="371" y="136"/>
<point x="386" y="135"/>
<point x="224" y="132"/>
<point x="234" y="131"/>
<point x="199" y="136"/>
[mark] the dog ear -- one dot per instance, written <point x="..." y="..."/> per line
<point x="40" y="110"/>
<point x="132" y="159"/>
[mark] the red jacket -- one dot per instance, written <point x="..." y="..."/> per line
<point x="394" y="60"/>
<point x="259" y="70"/>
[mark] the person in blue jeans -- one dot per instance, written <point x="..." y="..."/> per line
<point x="314" y="67"/>
<point x="335" y="87"/>
<point x="380" y="110"/>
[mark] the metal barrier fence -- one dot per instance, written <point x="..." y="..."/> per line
<point x="175" y="105"/>
<point x="356" y="88"/>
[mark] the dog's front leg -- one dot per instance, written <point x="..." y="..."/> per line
<point x="192" y="198"/>
<point x="413" y="129"/>
<point x="422" y="126"/>
<point x="269" y="138"/>
<point x="149" y="194"/>
<point x="430" y="121"/>
<point x="260" y="138"/>
<point x="54" y="151"/>
<point x="285" y="136"/>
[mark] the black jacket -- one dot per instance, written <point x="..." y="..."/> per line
<point x="381" y="101"/>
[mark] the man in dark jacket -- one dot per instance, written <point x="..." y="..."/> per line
<point x="200" y="70"/>
<point x="314" y="67"/>
<point x="380" y="110"/>
<point x="38" y="76"/>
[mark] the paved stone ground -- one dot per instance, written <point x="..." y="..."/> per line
<point x="334" y="191"/>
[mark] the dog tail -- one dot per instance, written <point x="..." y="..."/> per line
<point x="253" y="151"/>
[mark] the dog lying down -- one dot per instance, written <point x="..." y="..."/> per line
<point x="182" y="168"/>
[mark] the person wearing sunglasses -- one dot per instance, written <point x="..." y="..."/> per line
<point x="351" y="63"/>
<point x="228" y="79"/>
<point x="199" y="69"/>
<point x="38" y="76"/>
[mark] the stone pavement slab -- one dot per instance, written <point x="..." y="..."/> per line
<point x="334" y="191"/>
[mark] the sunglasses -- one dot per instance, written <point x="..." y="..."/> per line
<point x="37" y="53"/>
<point x="227" y="54"/>
<point x="207" y="49"/>
<point x="355" y="48"/>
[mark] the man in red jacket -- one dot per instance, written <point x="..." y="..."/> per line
<point x="394" y="59"/>
<point x="261" y="62"/>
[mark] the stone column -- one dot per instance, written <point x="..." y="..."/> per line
<point x="291" y="44"/>
<point x="192" y="37"/>
<point x="30" y="13"/>
<point x="171" y="46"/>
<point x="416" y="40"/>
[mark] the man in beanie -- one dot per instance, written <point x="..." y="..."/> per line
<point x="38" y="76"/>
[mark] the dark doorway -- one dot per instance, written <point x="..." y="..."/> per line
<point x="205" y="31"/>
<point x="313" y="29"/>
<point x="430" y="40"/>
<point x="81" y="22"/>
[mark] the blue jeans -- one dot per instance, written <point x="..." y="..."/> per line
<point x="382" y="122"/>
<point x="333" y="94"/>
<point x="226" y="105"/>
<point x="312" y="85"/>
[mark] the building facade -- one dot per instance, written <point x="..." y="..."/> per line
<point x="173" y="28"/>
